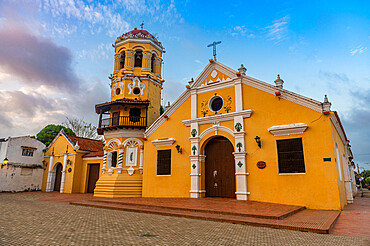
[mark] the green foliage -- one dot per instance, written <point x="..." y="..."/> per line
<point x="365" y="174"/>
<point x="367" y="180"/>
<point x="48" y="133"/>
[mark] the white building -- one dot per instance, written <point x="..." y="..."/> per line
<point x="24" y="168"/>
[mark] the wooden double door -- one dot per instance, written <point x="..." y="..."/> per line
<point x="220" y="168"/>
<point x="93" y="177"/>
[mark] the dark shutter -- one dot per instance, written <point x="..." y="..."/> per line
<point x="114" y="159"/>
<point x="290" y="155"/>
<point x="164" y="162"/>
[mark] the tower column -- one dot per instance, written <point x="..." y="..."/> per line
<point x="146" y="61"/>
<point x="157" y="66"/>
<point x="129" y="60"/>
<point x="116" y="63"/>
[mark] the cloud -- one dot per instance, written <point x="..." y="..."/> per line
<point x="239" y="30"/>
<point x="278" y="30"/>
<point x="334" y="77"/>
<point x="35" y="60"/>
<point x="356" y="123"/>
<point x="27" y="111"/>
<point x="357" y="51"/>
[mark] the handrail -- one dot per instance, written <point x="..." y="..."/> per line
<point x="132" y="121"/>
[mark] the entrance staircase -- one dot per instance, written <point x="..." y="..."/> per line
<point x="226" y="210"/>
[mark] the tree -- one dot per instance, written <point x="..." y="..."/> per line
<point x="82" y="128"/>
<point x="48" y="133"/>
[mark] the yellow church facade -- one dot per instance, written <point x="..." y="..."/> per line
<point x="72" y="164"/>
<point x="227" y="135"/>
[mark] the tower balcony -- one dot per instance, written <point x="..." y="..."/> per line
<point x="136" y="109"/>
<point x="121" y="122"/>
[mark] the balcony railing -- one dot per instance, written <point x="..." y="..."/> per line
<point x="123" y="121"/>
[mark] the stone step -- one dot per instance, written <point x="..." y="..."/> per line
<point x="318" y="221"/>
<point x="251" y="213"/>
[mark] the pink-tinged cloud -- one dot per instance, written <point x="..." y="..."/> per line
<point x="36" y="60"/>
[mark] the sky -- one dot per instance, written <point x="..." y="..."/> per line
<point x="56" y="55"/>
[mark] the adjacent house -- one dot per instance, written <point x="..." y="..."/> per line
<point x="21" y="164"/>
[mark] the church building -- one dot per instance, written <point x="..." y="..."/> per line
<point x="227" y="135"/>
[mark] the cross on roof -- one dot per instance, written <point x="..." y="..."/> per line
<point x="214" y="48"/>
<point x="142" y="25"/>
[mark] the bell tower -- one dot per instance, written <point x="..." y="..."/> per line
<point x="135" y="103"/>
<point x="136" y="83"/>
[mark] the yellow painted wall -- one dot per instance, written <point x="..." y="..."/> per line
<point x="226" y="94"/>
<point x="85" y="172"/>
<point x="76" y="180"/>
<point x="178" y="183"/>
<point x="316" y="188"/>
<point x="341" y="149"/>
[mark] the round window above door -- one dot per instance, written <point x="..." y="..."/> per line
<point x="216" y="103"/>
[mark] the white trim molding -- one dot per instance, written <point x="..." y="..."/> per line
<point x="216" y="128"/>
<point x="218" y="117"/>
<point x="335" y="121"/>
<point x="296" y="128"/>
<point x="163" y="142"/>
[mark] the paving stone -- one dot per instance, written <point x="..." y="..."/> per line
<point x="25" y="220"/>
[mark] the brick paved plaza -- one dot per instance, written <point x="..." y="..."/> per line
<point x="24" y="220"/>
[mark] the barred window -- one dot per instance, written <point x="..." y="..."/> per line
<point x="164" y="162"/>
<point x="27" y="152"/>
<point x="290" y="155"/>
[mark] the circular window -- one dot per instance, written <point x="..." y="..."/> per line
<point x="136" y="91"/>
<point x="216" y="103"/>
<point x="118" y="91"/>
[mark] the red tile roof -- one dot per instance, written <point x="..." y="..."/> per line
<point x="102" y="107"/>
<point x="87" y="144"/>
<point x="95" y="154"/>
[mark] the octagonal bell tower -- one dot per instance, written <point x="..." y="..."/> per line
<point x="135" y="89"/>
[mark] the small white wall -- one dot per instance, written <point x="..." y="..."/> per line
<point x="15" y="179"/>
<point x="23" y="173"/>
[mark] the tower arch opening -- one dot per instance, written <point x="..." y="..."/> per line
<point x="122" y="58"/>
<point x="138" y="58"/>
<point x="152" y="63"/>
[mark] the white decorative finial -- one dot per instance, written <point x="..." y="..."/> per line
<point x="77" y="147"/>
<point x="279" y="82"/>
<point x="326" y="105"/>
<point x="242" y="70"/>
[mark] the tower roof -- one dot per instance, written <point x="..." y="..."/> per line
<point x="138" y="34"/>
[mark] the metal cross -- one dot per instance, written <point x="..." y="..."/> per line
<point x="214" y="48"/>
<point x="142" y="25"/>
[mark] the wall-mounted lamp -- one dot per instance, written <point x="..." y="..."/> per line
<point x="69" y="162"/>
<point x="258" y="141"/>
<point x="5" y="162"/>
<point x="179" y="150"/>
<point x="44" y="163"/>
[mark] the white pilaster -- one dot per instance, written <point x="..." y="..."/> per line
<point x="141" y="160"/>
<point x="50" y="174"/>
<point x="195" y="162"/>
<point x="241" y="176"/>
<point x="63" y="173"/>
<point x="238" y="95"/>
<point x="347" y="177"/>
<point x="194" y="103"/>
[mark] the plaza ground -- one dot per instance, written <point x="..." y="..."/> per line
<point x="26" y="220"/>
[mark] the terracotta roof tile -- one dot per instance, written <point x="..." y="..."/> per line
<point x="95" y="154"/>
<point x="87" y="144"/>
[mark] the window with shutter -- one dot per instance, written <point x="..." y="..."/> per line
<point x="164" y="162"/>
<point x="290" y="156"/>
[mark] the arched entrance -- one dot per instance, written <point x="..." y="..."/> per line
<point x="58" y="176"/>
<point x="220" y="168"/>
